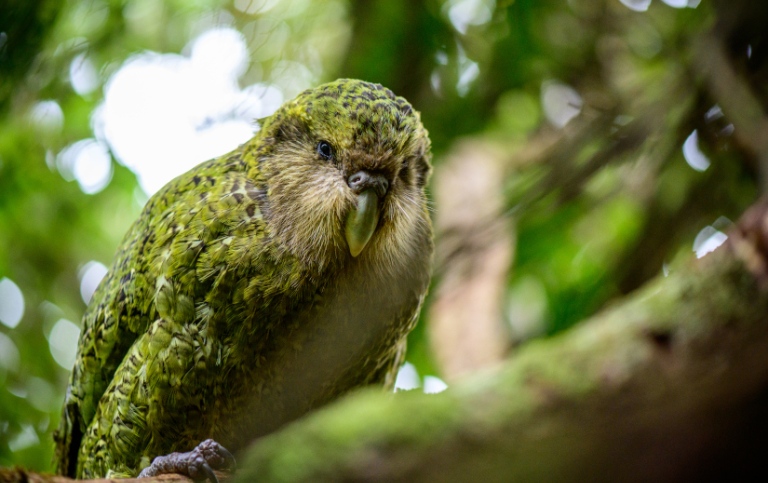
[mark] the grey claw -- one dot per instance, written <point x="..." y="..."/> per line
<point x="230" y="459"/>
<point x="198" y="464"/>
<point x="216" y="455"/>
<point x="209" y="474"/>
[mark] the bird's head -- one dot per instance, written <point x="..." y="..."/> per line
<point x="345" y="165"/>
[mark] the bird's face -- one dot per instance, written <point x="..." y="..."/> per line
<point x="345" y="165"/>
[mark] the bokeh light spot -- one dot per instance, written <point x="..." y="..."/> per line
<point x="24" y="439"/>
<point x="62" y="342"/>
<point x="465" y="13"/>
<point x="11" y="303"/>
<point x="407" y="378"/>
<point x="682" y="3"/>
<point x="90" y="277"/>
<point x="707" y="240"/>
<point x="83" y="75"/>
<point x="222" y="50"/>
<point x="434" y="385"/>
<point x="165" y="113"/>
<point x="637" y="5"/>
<point x="47" y="116"/>
<point x="469" y="71"/>
<point x="560" y="102"/>
<point x="87" y="161"/>
<point x="693" y="155"/>
<point x="9" y="354"/>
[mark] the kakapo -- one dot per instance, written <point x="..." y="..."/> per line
<point x="255" y="287"/>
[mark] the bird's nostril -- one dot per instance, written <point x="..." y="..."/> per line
<point x="358" y="180"/>
<point x="363" y="180"/>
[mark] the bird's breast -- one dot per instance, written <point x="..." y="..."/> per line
<point x="333" y="344"/>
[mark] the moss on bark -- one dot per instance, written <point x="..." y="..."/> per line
<point x="664" y="385"/>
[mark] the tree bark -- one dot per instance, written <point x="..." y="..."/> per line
<point x="668" y="385"/>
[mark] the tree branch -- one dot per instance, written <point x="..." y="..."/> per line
<point x="19" y="475"/>
<point x="669" y="385"/>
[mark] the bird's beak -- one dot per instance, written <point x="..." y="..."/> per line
<point x="362" y="221"/>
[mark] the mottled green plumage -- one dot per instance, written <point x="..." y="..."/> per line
<point x="234" y="304"/>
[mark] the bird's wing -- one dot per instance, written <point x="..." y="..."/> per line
<point x="162" y="245"/>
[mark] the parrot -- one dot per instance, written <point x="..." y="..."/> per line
<point x="254" y="288"/>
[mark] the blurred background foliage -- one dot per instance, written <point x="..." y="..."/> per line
<point x="581" y="147"/>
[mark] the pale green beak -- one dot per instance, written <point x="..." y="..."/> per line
<point x="362" y="221"/>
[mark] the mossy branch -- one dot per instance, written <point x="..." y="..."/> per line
<point x="667" y="385"/>
<point x="19" y="475"/>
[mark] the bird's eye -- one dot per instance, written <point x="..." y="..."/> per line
<point x="325" y="150"/>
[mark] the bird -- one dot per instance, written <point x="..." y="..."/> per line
<point x="254" y="288"/>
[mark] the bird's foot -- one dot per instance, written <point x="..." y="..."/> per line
<point x="198" y="464"/>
